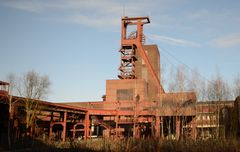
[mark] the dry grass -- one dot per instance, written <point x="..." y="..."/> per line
<point x="140" y="145"/>
<point x="150" y="145"/>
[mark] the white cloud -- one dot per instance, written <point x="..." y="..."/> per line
<point x="94" y="21"/>
<point x="172" y="41"/>
<point x="30" y="6"/>
<point x="93" y="13"/>
<point x="227" y="41"/>
<point x="112" y="7"/>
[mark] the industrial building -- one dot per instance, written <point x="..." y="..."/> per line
<point x="135" y="105"/>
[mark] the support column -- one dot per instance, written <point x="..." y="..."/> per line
<point x="193" y="132"/>
<point x="116" y="127"/>
<point x="157" y="127"/>
<point x="74" y="131"/>
<point x="135" y="128"/>
<point x="177" y="127"/>
<point x="86" y="126"/>
<point x="50" y="131"/>
<point x="50" y="128"/>
<point x="162" y="131"/>
<point x="64" y="126"/>
<point x="137" y="136"/>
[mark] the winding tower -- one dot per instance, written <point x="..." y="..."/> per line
<point x="139" y="70"/>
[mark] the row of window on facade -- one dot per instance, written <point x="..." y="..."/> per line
<point x="206" y="117"/>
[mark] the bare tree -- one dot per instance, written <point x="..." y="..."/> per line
<point x="32" y="87"/>
<point x="163" y="74"/>
<point x="202" y="91"/>
<point x="218" y="89"/>
<point x="171" y="82"/>
<point x="197" y="84"/>
<point x="179" y="83"/>
<point x="11" y="80"/>
<point x="193" y="81"/>
<point x="178" y="80"/>
<point x="236" y="86"/>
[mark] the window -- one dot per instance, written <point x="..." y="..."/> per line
<point x="203" y="117"/>
<point x="214" y="117"/>
<point x="198" y="117"/>
<point x="125" y="94"/>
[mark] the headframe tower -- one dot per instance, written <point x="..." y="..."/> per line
<point x="131" y="42"/>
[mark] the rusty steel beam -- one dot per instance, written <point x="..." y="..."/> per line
<point x="177" y="127"/>
<point x="49" y="106"/>
<point x="144" y="19"/>
<point x="74" y="130"/>
<point x="50" y="131"/>
<point x="149" y="67"/>
<point x="63" y="106"/>
<point x="157" y="126"/>
<point x="102" y="112"/>
<point x="86" y="126"/>
<point x="64" y="124"/>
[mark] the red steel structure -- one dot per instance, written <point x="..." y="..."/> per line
<point x="134" y="105"/>
<point x="129" y="45"/>
<point x="137" y="104"/>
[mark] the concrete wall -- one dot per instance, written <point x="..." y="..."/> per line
<point x="139" y="87"/>
<point x="143" y="73"/>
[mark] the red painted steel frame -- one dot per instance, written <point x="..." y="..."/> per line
<point x="139" y="22"/>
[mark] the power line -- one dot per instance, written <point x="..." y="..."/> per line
<point x="181" y="62"/>
<point x="184" y="64"/>
<point x="167" y="54"/>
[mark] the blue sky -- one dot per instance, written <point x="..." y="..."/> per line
<point x="76" y="42"/>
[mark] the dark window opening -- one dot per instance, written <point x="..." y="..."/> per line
<point x="125" y="94"/>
